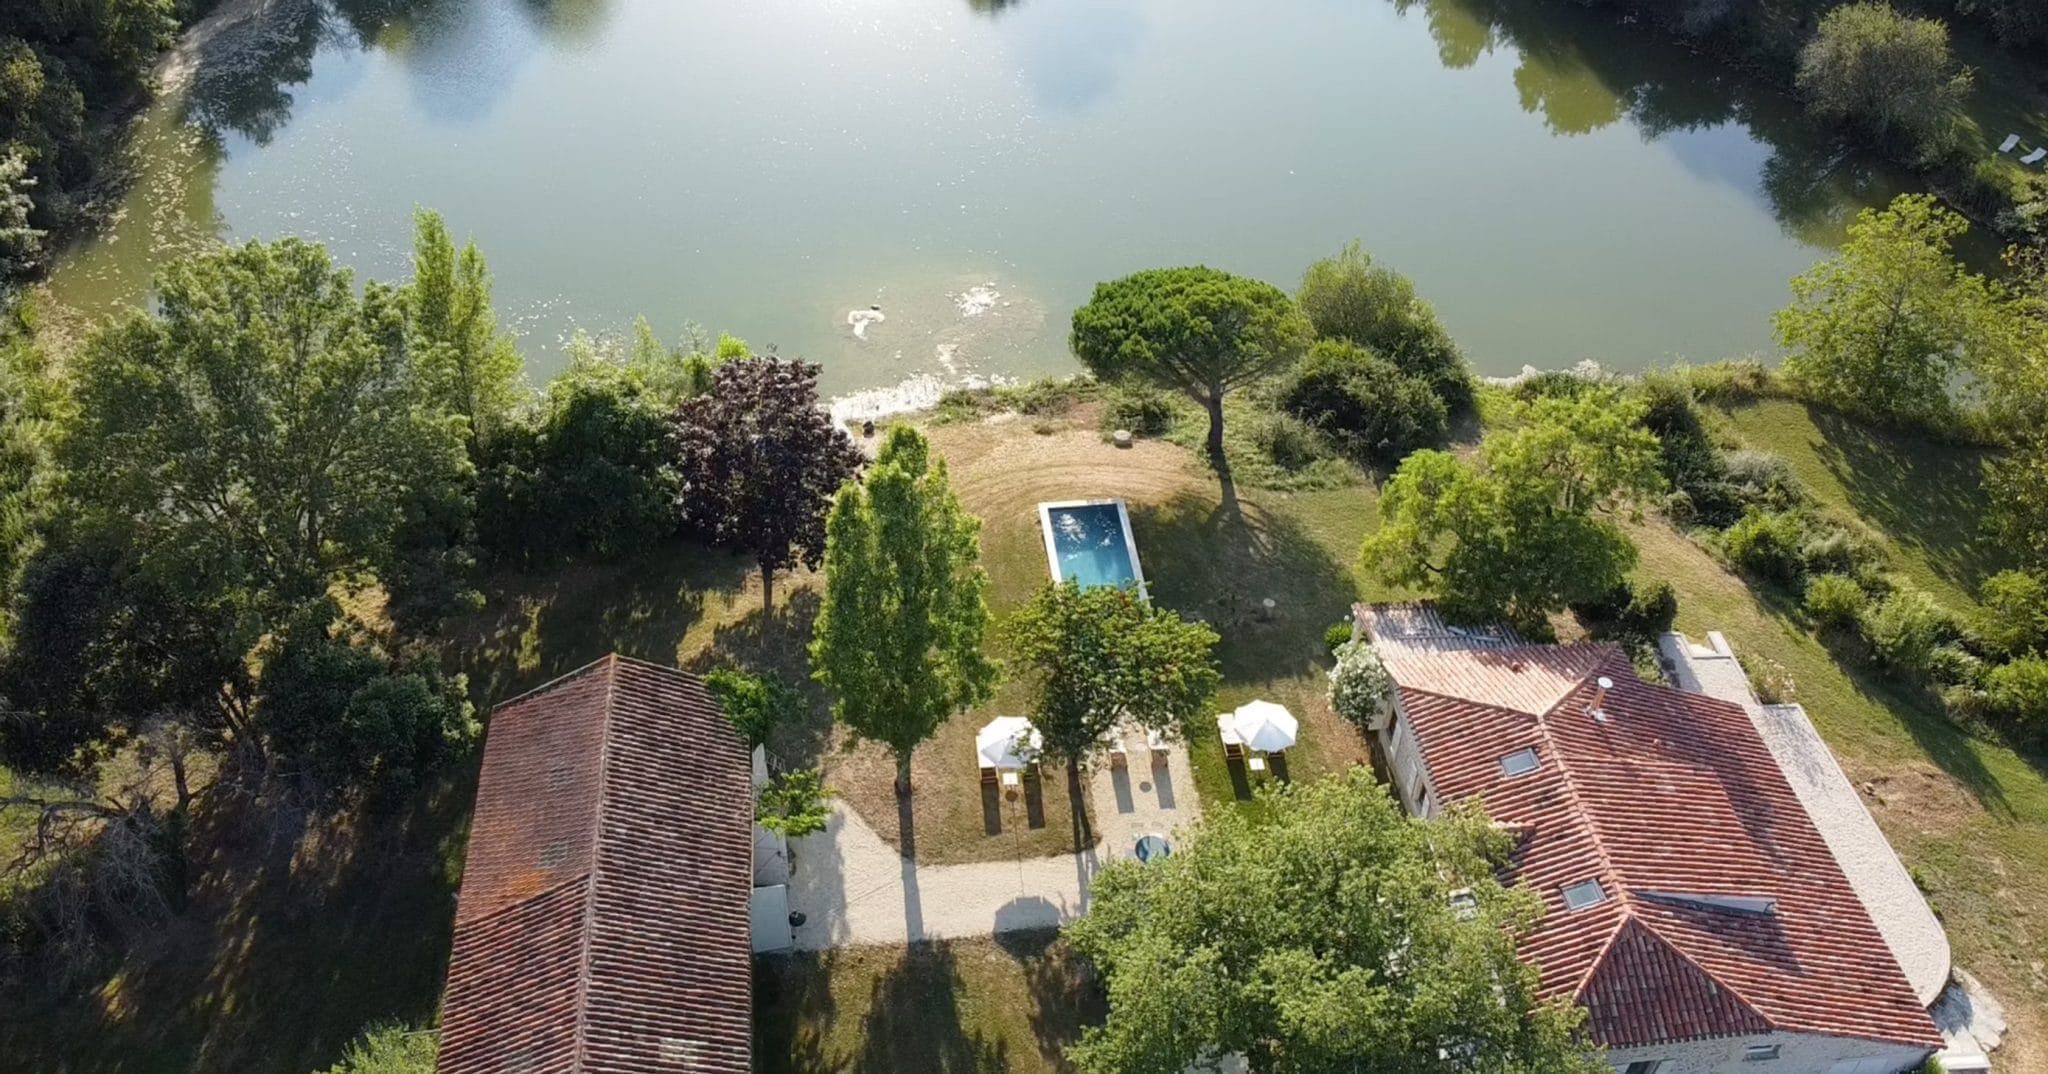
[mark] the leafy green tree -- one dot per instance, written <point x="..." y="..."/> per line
<point x="1521" y="531"/>
<point x="1880" y="329"/>
<point x="2017" y="483"/>
<point x="2014" y="619"/>
<point x="390" y="1049"/>
<point x="1330" y="933"/>
<point x="100" y="645"/>
<point x="756" y="704"/>
<point x="757" y="461"/>
<point x="898" y="637"/>
<point x="586" y="474"/>
<point x="2019" y="691"/>
<point x="1349" y="298"/>
<point x="1194" y="330"/>
<point x="1103" y="654"/>
<point x="1890" y="73"/>
<point x="463" y="362"/>
<point x="20" y="244"/>
<point x="794" y="804"/>
<point x="1365" y="402"/>
<point x="261" y="433"/>
<point x="346" y="718"/>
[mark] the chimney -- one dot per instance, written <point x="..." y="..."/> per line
<point x="1600" y="698"/>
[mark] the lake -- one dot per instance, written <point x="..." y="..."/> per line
<point x="1560" y="187"/>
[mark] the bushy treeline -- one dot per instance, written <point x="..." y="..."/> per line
<point x="232" y="526"/>
<point x="64" y="66"/>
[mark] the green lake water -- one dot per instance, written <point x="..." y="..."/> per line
<point x="1560" y="187"/>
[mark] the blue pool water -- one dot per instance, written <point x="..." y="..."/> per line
<point x="1089" y="544"/>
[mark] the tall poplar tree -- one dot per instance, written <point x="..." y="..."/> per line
<point x="899" y="636"/>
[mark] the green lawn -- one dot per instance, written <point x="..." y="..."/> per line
<point x="961" y="1005"/>
<point x="1925" y="500"/>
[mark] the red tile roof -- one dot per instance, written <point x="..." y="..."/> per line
<point x="1672" y="798"/>
<point x="603" y="920"/>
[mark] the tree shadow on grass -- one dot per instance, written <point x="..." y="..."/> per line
<point x="535" y="626"/>
<point x="793" y="1010"/>
<point x="915" y="1022"/>
<point x="1211" y="562"/>
<point x="1926" y="496"/>
<point x="297" y="934"/>
<point x="777" y="644"/>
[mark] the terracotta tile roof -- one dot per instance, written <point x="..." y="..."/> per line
<point x="1723" y="911"/>
<point x="603" y="917"/>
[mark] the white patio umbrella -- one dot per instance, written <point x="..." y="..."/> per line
<point x="1264" y="726"/>
<point x="1008" y="742"/>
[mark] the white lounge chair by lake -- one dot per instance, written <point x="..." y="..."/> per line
<point x="2034" y="157"/>
<point x="2010" y="141"/>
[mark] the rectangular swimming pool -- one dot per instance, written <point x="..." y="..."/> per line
<point x="1090" y="543"/>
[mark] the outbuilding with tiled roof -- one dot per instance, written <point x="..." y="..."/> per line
<point x="602" y="924"/>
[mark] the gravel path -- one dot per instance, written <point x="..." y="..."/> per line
<point x="853" y="888"/>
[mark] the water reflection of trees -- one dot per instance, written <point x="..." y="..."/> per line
<point x="244" y="77"/>
<point x="1582" y="71"/>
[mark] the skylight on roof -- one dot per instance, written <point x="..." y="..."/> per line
<point x="1518" y="763"/>
<point x="1583" y="894"/>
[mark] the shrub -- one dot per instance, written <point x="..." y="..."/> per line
<point x="1904" y="630"/>
<point x="586" y="474"/>
<point x="1141" y="409"/>
<point x="1046" y="396"/>
<point x="389" y="1050"/>
<point x="2014" y="621"/>
<point x="1687" y="456"/>
<point x="1835" y="601"/>
<point x="1365" y="403"/>
<point x="1732" y="381"/>
<point x="794" y="804"/>
<point x="1359" y="684"/>
<point x="2018" y="691"/>
<point x="1338" y="634"/>
<point x="1953" y="665"/>
<point x="1551" y="384"/>
<point x="1767" y="544"/>
<point x="1833" y="549"/>
<point x="1635" y="610"/>
<point x="342" y="715"/>
<point x="755" y="704"/>
<point x="1762" y="479"/>
<point x="1286" y="442"/>
<point x="1771" y="680"/>
<point x="1349" y="298"/>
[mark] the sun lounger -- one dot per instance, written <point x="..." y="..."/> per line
<point x="1156" y="744"/>
<point x="2034" y="157"/>
<point x="1233" y="746"/>
<point x="2010" y="141"/>
<point x="988" y="775"/>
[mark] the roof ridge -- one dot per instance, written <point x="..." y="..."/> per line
<point x="1571" y="789"/>
<point x="604" y="751"/>
<point x="560" y="680"/>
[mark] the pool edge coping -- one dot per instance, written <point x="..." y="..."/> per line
<point x="1123" y="515"/>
